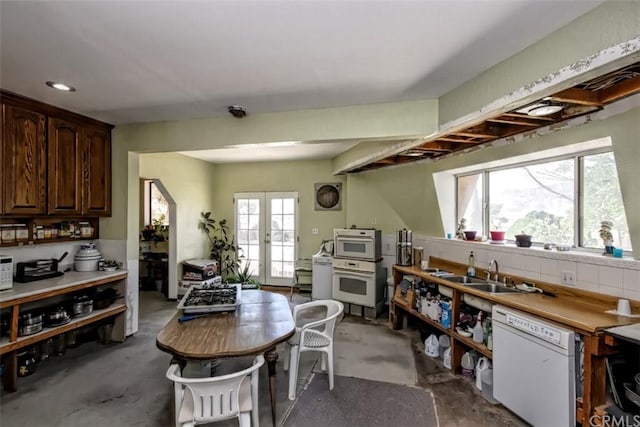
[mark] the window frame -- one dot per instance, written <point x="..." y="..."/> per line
<point x="578" y="192"/>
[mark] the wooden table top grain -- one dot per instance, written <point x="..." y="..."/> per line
<point x="261" y="321"/>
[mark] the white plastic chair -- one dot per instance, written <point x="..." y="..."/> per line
<point x="313" y="336"/>
<point x="211" y="399"/>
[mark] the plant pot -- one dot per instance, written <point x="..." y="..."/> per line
<point x="497" y="236"/>
<point x="470" y="235"/>
<point x="523" y="240"/>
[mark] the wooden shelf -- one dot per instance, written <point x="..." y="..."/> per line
<point x="6" y="346"/>
<point x="481" y="348"/>
<point x="423" y="318"/>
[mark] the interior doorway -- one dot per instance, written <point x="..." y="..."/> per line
<point x="267" y="232"/>
<point x="158" y="258"/>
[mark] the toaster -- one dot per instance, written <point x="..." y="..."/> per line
<point x="6" y="272"/>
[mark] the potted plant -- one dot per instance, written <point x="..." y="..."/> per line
<point x="244" y="276"/>
<point x="223" y="247"/>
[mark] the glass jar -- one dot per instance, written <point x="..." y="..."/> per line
<point x="46" y="349"/>
<point x="39" y="233"/>
<point x="22" y="233"/>
<point x="59" y="345"/>
<point x="27" y="362"/>
<point x="8" y="233"/>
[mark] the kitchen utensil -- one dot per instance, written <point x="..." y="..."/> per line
<point x="188" y="317"/>
<point x="29" y="323"/>
<point x="636" y="378"/>
<point x="104" y="298"/>
<point x="57" y="317"/>
<point x="30" y="271"/>
<point x="82" y="306"/>
<point x="46" y="349"/>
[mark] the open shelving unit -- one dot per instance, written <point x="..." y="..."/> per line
<point x="41" y="293"/>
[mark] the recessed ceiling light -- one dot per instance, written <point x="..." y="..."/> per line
<point x="61" y="86"/>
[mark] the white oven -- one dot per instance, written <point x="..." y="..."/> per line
<point x="355" y="243"/>
<point x="358" y="282"/>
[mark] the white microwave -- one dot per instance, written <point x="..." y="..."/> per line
<point x="6" y="272"/>
<point x="353" y="243"/>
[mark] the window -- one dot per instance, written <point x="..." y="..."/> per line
<point x="560" y="200"/>
<point x="158" y="207"/>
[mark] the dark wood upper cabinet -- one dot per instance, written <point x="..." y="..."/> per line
<point x="65" y="168"/>
<point x="96" y="200"/>
<point x="23" y="161"/>
<point x="52" y="161"/>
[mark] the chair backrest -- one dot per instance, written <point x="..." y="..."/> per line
<point x="326" y="325"/>
<point x="213" y="398"/>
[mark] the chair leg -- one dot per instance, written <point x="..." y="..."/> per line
<point x="323" y="362"/>
<point x="255" y="414"/>
<point x="330" y="363"/>
<point x="285" y="362"/>
<point x="293" y="371"/>
<point x="245" y="419"/>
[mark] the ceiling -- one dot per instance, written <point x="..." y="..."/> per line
<point x="141" y="61"/>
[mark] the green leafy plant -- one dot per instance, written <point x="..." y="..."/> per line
<point x="223" y="247"/>
<point x="244" y="276"/>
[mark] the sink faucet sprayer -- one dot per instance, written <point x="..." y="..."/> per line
<point x="493" y="267"/>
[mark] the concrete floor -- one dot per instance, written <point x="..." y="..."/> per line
<point x="124" y="384"/>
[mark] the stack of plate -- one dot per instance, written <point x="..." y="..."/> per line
<point x="87" y="258"/>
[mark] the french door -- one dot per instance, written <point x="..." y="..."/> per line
<point x="266" y="231"/>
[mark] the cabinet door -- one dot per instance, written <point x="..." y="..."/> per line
<point x="97" y="171"/>
<point x="65" y="168"/>
<point x="23" y="162"/>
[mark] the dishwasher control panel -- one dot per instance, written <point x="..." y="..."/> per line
<point x="534" y="328"/>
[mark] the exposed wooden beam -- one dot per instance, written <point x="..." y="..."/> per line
<point x="625" y="88"/>
<point x="475" y="135"/>
<point x="525" y="116"/>
<point x="514" y="122"/>
<point x="577" y="96"/>
<point x="461" y="141"/>
<point x="387" y="161"/>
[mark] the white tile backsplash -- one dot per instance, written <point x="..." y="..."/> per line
<point x="612" y="276"/>
<point x="587" y="273"/>
<point x="532" y="264"/>
<point x="549" y="268"/>
<point x="631" y="280"/>
<point x="518" y="262"/>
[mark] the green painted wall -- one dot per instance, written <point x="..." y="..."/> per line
<point x="190" y="183"/>
<point x="615" y="21"/>
<point x="405" y="196"/>
<point x="297" y="176"/>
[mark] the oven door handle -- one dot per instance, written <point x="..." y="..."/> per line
<point x="339" y="270"/>
<point x="365" y="238"/>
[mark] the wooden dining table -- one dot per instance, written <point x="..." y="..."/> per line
<point x="261" y="322"/>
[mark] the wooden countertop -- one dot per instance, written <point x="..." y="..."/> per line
<point x="582" y="310"/>
<point x="21" y="292"/>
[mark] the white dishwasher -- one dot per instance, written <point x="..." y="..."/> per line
<point x="534" y="368"/>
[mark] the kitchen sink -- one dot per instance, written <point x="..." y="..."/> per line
<point x="492" y="288"/>
<point x="466" y="280"/>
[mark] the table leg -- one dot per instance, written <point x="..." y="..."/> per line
<point x="10" y="377"/>
<point x="271" y="356"/>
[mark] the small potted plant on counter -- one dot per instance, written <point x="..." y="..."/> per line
<point x="606" y="236"/>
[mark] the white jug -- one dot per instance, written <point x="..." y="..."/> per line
<point x="446" y="358"/>
<point x="483" y="364"/>
<point x="431" y="346"/>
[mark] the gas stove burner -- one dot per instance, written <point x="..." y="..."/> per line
<point x="209" y="297"/>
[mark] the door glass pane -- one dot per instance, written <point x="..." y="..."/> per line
<point x="248" y="233"/>
<point x="282" y="223"/>
<point x="470" y="202"/>
<point x="536" y="200"/>
<point x="602" y="201"/>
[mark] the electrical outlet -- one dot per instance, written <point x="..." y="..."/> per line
<point x="314" y="231"/>
<point x="568" y="278"/>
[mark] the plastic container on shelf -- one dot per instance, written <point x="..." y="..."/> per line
<point x="487" y="386"/>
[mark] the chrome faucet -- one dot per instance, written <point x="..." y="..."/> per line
<point x="493" y="268"/>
